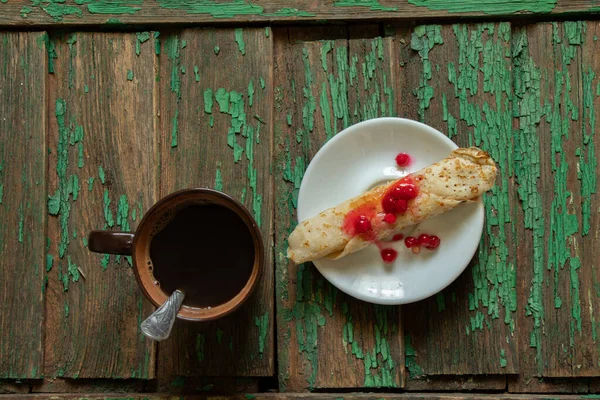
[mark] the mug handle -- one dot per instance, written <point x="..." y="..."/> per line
<point x="111" y="242"/>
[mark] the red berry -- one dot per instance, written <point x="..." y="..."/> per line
<point x="401" y="206"/>
<point x="362" y="224"/>
<point x="434" y="242"/>
<point x="402" y="159"/>
<point x="390" y="218"/>
<point x="389" y="255"/>
<point x="423" y="239"/>
<point x="411" y="242"/>
<point x="397" y="237"/>
<point x="389" y="204"/>
<point x="406" y="191"/>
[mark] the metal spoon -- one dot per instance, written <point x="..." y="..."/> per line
<point x="158" y="325"/>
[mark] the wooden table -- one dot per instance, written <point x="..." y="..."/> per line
<point x="108" y="105"/>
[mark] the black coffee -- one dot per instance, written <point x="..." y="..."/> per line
<point x="205" y="250"/>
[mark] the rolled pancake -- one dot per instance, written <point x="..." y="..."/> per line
<point x="463" y="176"/>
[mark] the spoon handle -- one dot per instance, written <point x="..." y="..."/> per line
<point x="158" y="325"/>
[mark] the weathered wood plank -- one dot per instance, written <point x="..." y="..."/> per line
<point x="555" y="168"/>
<point x="216" y="131"/>
<point x="103" y="175"/>
<point x="311" y="396"/>
<point x="326" y="338"/>
<point x="22" y="203"/>
<point x="62" y="385"/>
<point x="99" y="12"/>
<point x="204" y="385"/>
<point x="457" y="383"/>
<point x="457" y="79"/>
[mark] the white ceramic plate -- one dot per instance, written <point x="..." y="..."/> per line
<point x="361" y="157"/>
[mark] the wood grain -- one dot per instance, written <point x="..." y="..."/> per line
<point x="102" y="175"/>
<point x="311" y="396"/>
<point x="65" y="385"/>
<point x="216" y="131"/>
<point x="457" y="79"/>
<point x="556" y="177"/>
<point x="457" y="383"/>
<point x="326" y="338"/>
<point x="132" y="12"/>
<point x="22" y="203"/>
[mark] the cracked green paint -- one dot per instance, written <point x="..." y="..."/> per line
<point x="494" y="275"/>
<point x="262" y="323"/>
<point x="141" y="37"/>
<point x="374" y="5"/>
<point x="288" y="12"/>
<point x="218" y="180"/>
<point x="250" y="93"/>
<point x="239" y="39"/>
<point x="564" y="223"/>
<point x="227" y="9"/>
<point x="173" y="49"/>
<point x="587" y="159"/>
<point x="424" y="38"/>
<point x="68" y="187"/>
<point x="491" y="7"/>
<point x="414" y="369"/>
<point x="101" y="174"/>
<point x="21" y="225"/>
<point x="527" y="78"/>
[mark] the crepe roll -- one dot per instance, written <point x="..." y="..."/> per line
<point x="385" y="210"/>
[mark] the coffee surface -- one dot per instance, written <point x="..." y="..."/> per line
<point x="205" y="250"/>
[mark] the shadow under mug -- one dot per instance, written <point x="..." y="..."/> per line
<point x="137" y="245"/>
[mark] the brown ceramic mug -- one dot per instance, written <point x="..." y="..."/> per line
<point x="138" y="246"/>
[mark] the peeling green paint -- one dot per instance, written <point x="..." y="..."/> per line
<point x="196" y="75"/>
<point x="200" y="339"/>
<point x="49" y="262"/>
<point x="58" y="203"/>
<point x="220" y="333"/>
<point x="503" y="362"/>
<point x="587" y="165"/>
<point x="157" y="43"/>
<point x="491" y="7"/>
<point x="217" y="49"/>
<point x="104" y="261"/>
<point x="374" y="5"/>
<point x="564" y="223"/>
<point x="414" y="370"/>
<point x="239" y="39"/>
<point x="288" y="12"/>
<point x="227" y="9"/>
<point x="21" y="215"/>
<point x="250" y="93"/>
<point x="141" y="37"/>
<point x="208" y="101"/>
<point x="108" y="215"/>
<point x="218" y="180"/>
<point x="527" y="77"/>
<point x="424" y="38"/>
<point x="494" y="275"/>
<point x="101" y="174"/>
<point x="129" y="75"/>
<point x="174" y="52"/>
<point x="262" y="323"/>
